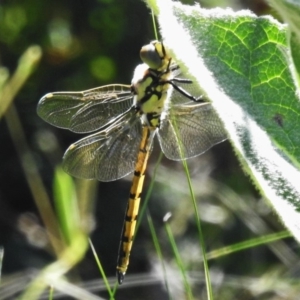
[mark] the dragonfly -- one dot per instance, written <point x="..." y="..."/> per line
<point x="123" y="121"/>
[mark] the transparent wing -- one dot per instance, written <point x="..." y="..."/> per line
<point x="88" y="110"/>
<point x="106" y="155"/>
<point x="198" y="127"/>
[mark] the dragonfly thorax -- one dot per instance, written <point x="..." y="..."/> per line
<point x="151" y="84"/>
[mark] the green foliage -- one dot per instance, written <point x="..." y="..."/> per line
<point x="66" y="205"/>
<point x="290" y="13"/>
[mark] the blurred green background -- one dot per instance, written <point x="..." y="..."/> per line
<point x="90" y="43"/>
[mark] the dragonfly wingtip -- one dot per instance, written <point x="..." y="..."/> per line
<point x="47" y="96"/>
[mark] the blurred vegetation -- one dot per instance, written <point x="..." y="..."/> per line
<point x="85" y="44"/>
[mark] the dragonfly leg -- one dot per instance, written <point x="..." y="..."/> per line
<point x="183" y="91"/>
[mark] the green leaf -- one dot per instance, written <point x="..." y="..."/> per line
<point x="290" y="12"/>
<point x="241" y="63"/>
<point x="66" y="205"/>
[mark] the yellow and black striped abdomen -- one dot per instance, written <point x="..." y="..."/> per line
<point x="134" y="203"/>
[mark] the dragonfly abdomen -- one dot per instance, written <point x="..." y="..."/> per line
<point x="134" y="203"/>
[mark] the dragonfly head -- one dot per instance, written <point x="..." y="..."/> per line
<point x="156" y="56"/>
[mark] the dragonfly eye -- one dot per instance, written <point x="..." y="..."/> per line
<point x="150" y="56"/>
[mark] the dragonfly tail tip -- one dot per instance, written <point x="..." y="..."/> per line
<point x="120" y="276"/>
